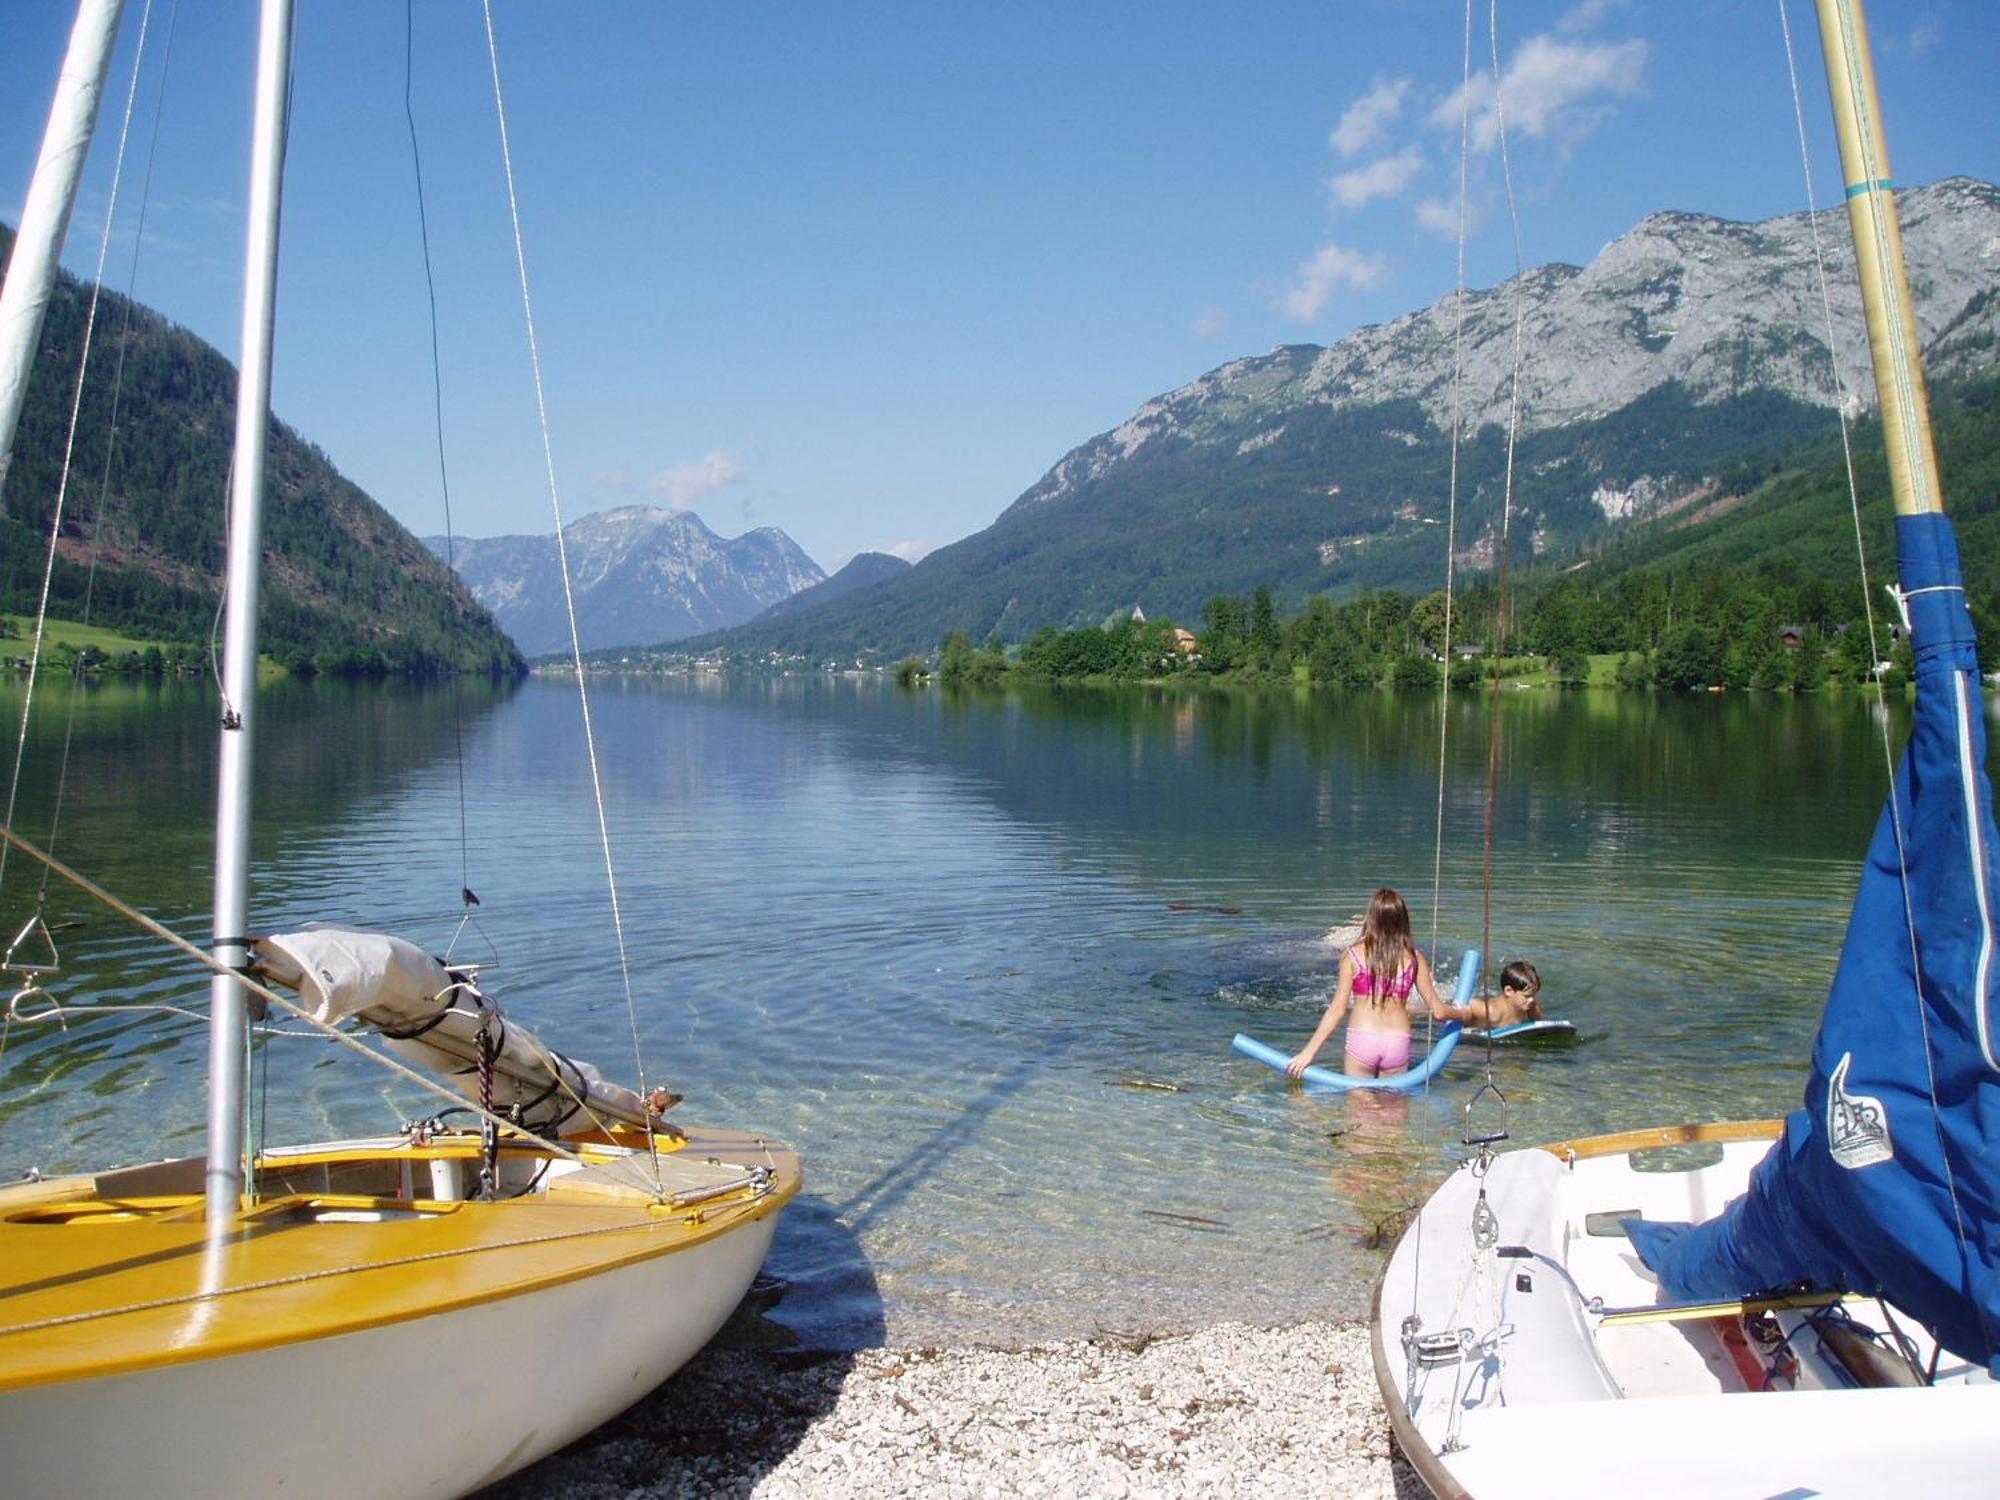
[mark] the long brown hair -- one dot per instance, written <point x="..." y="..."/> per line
<point x="1385" y="941"/>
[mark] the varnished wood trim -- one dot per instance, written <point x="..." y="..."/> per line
<point x="1666" y="1135"/>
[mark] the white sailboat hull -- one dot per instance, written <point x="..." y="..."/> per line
<point x="1868" y="1445"/>
<point x="1576" y="1380"/>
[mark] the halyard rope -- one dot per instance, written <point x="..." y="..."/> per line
<point x="562" y="557"/>
<point x="466" y="898"/>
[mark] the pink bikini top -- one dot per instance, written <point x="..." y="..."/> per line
<point x="1364" y="980"/>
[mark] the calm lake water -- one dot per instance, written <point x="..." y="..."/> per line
<point x="935" y="942"/>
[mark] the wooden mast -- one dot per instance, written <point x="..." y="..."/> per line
<point x="1878" y="252"/>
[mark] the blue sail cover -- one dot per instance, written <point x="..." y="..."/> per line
<point x="1888" y="1181"/>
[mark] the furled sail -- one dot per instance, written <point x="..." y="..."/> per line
<point x="1888" y="1180"/>
<point x="432" y="1016"/>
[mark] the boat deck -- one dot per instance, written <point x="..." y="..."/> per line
<point x="116" y="1273"/>
<point x="1553" y="1353"/>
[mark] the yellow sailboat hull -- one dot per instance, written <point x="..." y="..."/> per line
<point x="236" y="1365"/>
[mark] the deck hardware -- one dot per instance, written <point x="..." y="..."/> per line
<point x="35" y="935"/>
<point x="1485" y="1223"/>
<point x="1430" y="1351"/>
<point x="1609" y="1224"/>
<point x="1594" y="1305"/>
<point x="1483" y="1138"/>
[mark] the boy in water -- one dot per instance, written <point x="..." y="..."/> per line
<point x="1520" y="983"/>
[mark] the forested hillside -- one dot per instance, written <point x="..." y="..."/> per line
<point x="1766" y="594"/>
<point x="346" y="588"/>
<point x="1171" y="532"/>
<point x="1661" y="384"/>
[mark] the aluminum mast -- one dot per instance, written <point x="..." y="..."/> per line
<point x="227" y="1023"/>
<point x="31" y="271"/>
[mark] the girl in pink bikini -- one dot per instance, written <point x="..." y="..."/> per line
<point x="1377" y="976"/>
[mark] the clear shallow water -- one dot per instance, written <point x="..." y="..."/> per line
<point x="936" y="942"/>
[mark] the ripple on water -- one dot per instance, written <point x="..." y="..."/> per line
<point x="931" y="941"/>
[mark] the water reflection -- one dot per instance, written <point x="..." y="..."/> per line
<point x="929" y="937"/>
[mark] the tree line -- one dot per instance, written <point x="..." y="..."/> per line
<point x="1707" y="624"/>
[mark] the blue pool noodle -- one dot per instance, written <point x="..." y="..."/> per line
<point x="1410" y="1078"/>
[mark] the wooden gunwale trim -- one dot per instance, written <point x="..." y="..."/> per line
<point x="1430" y="1468"/>
<point x="1585" y="1147"/>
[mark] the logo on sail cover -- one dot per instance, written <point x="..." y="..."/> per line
<point x="1857" y="1127"/>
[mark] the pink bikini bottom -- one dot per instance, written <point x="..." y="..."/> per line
<point x="1377" y="1052"/>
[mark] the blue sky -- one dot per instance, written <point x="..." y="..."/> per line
<point x="865" y="271"/>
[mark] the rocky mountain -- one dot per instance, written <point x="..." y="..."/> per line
<point x="346" y="588"/>
<point x="1670" y="375"/>
<point x="641" y="575"/>
<point x="1720" y="309"/>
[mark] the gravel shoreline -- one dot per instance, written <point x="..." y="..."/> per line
<point x="1228" y="1410"/>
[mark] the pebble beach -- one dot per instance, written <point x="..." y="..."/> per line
<point x="1230" y="1410"/>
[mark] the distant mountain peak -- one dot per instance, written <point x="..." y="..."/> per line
<point x="643" y="574"/>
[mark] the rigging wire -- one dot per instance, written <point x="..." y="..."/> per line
<point x="69" y="440"/>
<point x="1874" y="173"/>
<point x="1450" y="562"/>
<point x="265" y="992"/>
<point x="1503" y="603"/>
<point x="104" y="500"/>
<point x="569" y="592"/>
<point x="466" y="899"/>
<point x="1485" y="1229"/>
<point x="1451" y="505"/>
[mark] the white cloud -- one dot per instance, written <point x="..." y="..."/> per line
<point x="1439" y="215"/>
<point x="1211" y="322"/>
<point x="1927" y="34"/>
<point x="1544" y="89"/>
<point x="681" y="484"/>
<point x="1327" y="272"/>
<point x="1386" y="178"/>
<point x="1585" y="15"/>
<point x="910" y="551"/>
<point x="1367" y="120"/>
